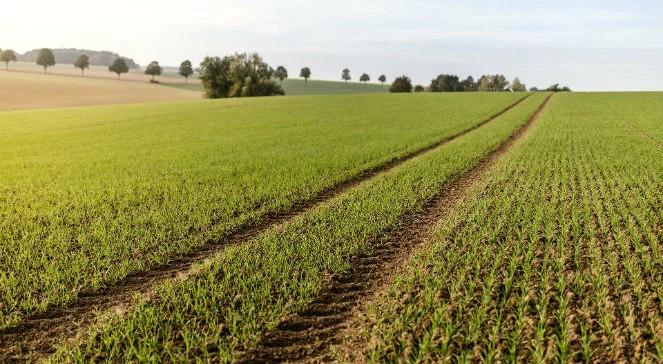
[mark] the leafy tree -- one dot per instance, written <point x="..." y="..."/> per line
<point x="446" y="83"/>
<point x="7" y="56"/>
<point x="517" y="86"/>
<point x="401" y="84"/>
<point x="45" y="58"/>
<point x="493" y="83"/>
<point x="365" y="78"/>
<point x="118" y="66"/>
<point x="82" y="62"/>
<point x="534" y="89"/>
<point x="382" y="79"/>
<point x="214" y="76"/>
<point x="186" y="70"/>
<point x="239" y="75"/>
<point x="468" y="84"/>
<point x="153" y="69"/>
<point x="345" y="75"/>
<point x="305" y="73"/>
<point x="556" y="88"/>
<point x="419" y="88"/>
<point x="281" y="73"/>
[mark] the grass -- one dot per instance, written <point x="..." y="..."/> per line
<point x="90" y="195"/>
<point x="555" y="256"/>
<point x="295" y="87"/>
<point x="30" y="90"/>
<point x="231" y="299"/>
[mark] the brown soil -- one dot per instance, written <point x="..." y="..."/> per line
<point x="37" y="334"/>
<point x="33" y="91"/>
<point x="310" y="335"/>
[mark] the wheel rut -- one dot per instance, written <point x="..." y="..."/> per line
<point x="309" y="336"/>
<point x="36" y="336"/>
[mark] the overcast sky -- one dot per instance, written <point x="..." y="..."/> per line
<point x="589" y="44"/>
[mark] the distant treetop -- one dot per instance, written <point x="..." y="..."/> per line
<point x="118" y="67"/>
<point x="186" y="70"/>
<point x="153" y="69"/>
<point x="401" y="84"/>
<point x="7" y="56"/>
<point x="305" y="73"/>
<point x="70" y="55"/>
<point x="82" y="62"/>
<point x="45" y="58"/>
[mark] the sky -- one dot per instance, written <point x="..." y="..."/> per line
<point x="587" y="45"/>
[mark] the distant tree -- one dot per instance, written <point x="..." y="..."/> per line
<point x="305" y="73"/>
<point x="118" y="66"/>
<point x="419" y="88"/>
<point x="153" y="69"/>
<point x="186" y="70"/>
<point x="215" y="77"/>
<point x="556" y="88"/>
<point x="45" y="58"/>
<point x="239" y="75"/>
<point x="345" y="75"/>
<point x="493" y="83"/>
<point x="382" y="79"/>
<point x="468" y="84"/>
<point x="517" y="86"/>
<point x="534" y="89"/>
<point x="281" y="73"/>
<point x="446" y="83"/>
<point x="7" y="56"/>
<point x="82" y="62"/>
<point x="365" y="78"/>
<point x="401" y="84"/>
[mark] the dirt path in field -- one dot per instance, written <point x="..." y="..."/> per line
<point x="311" y="335"/>
<point x="37" y="334"/>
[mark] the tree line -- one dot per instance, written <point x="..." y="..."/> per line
<point x="242" y="75"/>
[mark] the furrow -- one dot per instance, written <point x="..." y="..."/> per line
<point x="37" y="334"/>
<point x="318" y="330"/>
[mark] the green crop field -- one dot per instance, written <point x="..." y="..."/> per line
<point x="121" y="189"/>
<point x="431" y="227"/>
<point x="555" y="256"/>
<point x="296" y="87"/>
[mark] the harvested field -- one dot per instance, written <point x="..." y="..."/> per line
<point x="32" y="91"/>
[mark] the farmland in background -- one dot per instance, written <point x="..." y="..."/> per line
<point x="92" y="72"/>
<point x="31" y="90"/>
<point x="292" y="86"/>
<point x="296" y="87"/>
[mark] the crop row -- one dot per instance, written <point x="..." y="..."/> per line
<point x="91" y="195"/>
<point x="245" y="290"/>
<point x="555" y="256"/>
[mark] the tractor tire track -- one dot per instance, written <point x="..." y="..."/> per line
<point x="310" y="335"/>
<point x="36" y="336"/>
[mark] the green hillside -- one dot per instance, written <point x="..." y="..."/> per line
<point x="296" y="86"/>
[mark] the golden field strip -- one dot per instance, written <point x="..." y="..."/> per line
<point x="32" y="90"/>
